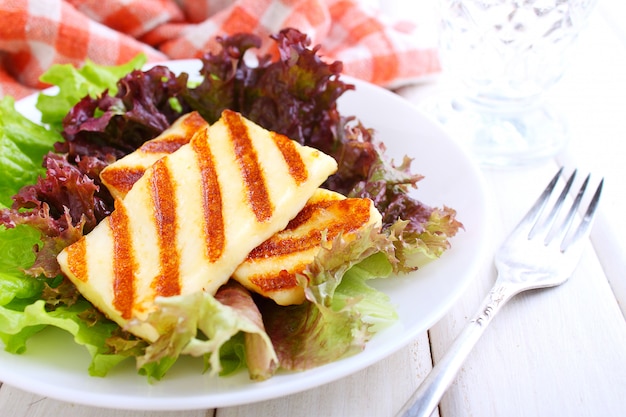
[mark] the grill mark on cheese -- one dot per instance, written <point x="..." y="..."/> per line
<point x="211" y="197"/>
<point x="247" y="158"/>
<point x="166" y="145"/>
<point x="287" y="147"/>
<point x="123" y="262"/>
<point x="167" y="283"/>
<point x="304" y="216"/>
<point x="77" y="259"/>
<point x="283" y="281"/>
<point x="122" y="178"/>
<point x="356" y="212"/>
<point x="170" y="143"/>
<point x="194" y="121"/>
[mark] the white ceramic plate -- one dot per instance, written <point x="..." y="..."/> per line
<point x="55" y="367"/>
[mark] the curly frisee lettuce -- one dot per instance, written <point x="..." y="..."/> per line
<point x="51" y="195"/>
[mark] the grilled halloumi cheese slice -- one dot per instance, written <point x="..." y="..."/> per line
<point x="193" y="217"/>
<point x="120" y="176"/>
<point x="271" y="268"/>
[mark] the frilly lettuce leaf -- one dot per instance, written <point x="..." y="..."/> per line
<point x="63" y="205"/>
<point x="341" y="312"/>
<point x="199" y="324"/>
<point x="75" y="83"/>
<point x="414" y="249"/>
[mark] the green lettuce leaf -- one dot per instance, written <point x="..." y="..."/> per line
<point x="17" y="326"/>
<point x="75" y="83"/>
<point x="22" y="147"/>
<point x="375" y="308"/>
<point x="16" y="246"/>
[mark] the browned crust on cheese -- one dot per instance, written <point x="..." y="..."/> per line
<point x="123" y="178"/>
<point x="211" y="197"/>
<point x="77" y="259"/>
<point x="287" y="147"/>
<point x="167" y="144"/>
<point x="247" y="158"/>
<point x="353" y="213"/>
<point x="123" y="262"/>
<point x="162" y="190"/>
<point x="282" y="281"/>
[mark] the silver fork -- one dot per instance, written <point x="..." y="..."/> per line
<point x="542" y="251"/>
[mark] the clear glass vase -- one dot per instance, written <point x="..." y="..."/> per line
<point x="503" y="56"/>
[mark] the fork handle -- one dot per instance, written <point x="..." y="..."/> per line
<point x="424" y="401"/>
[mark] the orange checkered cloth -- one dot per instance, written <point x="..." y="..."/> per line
<point x="35" y="34"/>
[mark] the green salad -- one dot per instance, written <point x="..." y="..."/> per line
<point x="51" y="196"/>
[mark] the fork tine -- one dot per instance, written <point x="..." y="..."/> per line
<point x="535" y="211"/>
<point x="559" y="231"/>
<point x="585" y="225"/>
<point x="541" y="227"/>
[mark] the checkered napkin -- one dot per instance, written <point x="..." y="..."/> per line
<point x="34" y="34"/>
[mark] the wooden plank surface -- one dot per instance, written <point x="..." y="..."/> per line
<point x="558" y="351"/>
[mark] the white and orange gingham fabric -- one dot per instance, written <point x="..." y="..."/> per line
<point x="35" y="34"/>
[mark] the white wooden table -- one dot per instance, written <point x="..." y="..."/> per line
<point x="553" y="352"/>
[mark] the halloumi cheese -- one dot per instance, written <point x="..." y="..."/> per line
<point x="271" y="268"/>
<point x="193" y="218"/>
<point x="285" y="254"/>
